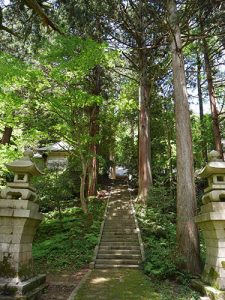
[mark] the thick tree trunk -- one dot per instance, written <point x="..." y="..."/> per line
<point x="94" y="130"/>
<point x="93" y="167"/>
<point x="212" y="98"/>
<point x="201" y="112"/>
<point x="187" y="233"/>
<point x="82" y="186"/>
<point x="170" y="158"/>
<point x="6" y="136"/>
<point x="145" y="174"/>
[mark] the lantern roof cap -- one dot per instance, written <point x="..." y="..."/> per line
<point x="24" y="165"/>
<point x="215" y="165"/>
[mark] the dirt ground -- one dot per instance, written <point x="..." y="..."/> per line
<point x="61" y="285"/>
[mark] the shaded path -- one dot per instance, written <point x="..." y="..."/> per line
<point x="119" y="246"/>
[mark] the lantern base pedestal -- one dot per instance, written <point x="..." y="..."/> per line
<point x="207" y="290"/>
<point x="23" y="290"/>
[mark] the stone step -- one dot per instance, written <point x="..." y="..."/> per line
<point x="121" y="231"/>
<point x="116" y="228"/>
<point x="127" y="247"/>
<point x="119" y="246"/>
<point x="117" y="261"/>
<point x="116" y="235"/>
<point x="120" y="226"/>
<point x="116" y="244"/>
<point x="117" y="217"/>
<point x="119" y="223"/>
<point x="118" y="251"/>
<point x="119" y="220"/>
<point x="120" y="234"/>
<point x="102" y="266"/>
<point x="119" y="256"/>
<point x="115" y="239"/>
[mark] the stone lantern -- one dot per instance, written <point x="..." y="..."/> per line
<point x="212" y="221"/>
<point x="19" y="219"/>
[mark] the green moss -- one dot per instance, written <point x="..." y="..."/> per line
<point x="26" y="271"/>
<point x="213" y="275"/>
<point x="6" y="269"/>
<point x="7" y="290"/>
<point x="130" y="284"/>
<point x="223" y="264"/>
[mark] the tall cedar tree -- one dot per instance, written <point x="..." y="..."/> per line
<point x="187" y="232"/>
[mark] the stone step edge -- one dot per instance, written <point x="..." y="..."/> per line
<point x="102" y="266"/>
<point x="119" y="257"/>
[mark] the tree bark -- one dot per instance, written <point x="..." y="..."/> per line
<point x="187" y="233"/>
<point x="144" y="140"/>
<point x="6" y="136"/>
<point x="82" y="186"/>
<point x="93" y="167"/>
<point x="113" y="165"/>
<point x="94" y="130"/>
<point x="212" y="97"/>
<point x="201" y="112"/>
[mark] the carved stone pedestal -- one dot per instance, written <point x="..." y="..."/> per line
<point x="19" y="219"/>
<point x="212" y="222"/>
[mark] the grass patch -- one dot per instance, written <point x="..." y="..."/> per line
<point x="157" y="222"/>
<point x="130" y="284"/>
<point x="68" y="244"/>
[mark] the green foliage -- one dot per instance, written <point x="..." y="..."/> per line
<point x="68" y="243"/>
<point x="59" y="189"/>
<point x="157" y="222"/>
<point x="126" y="139"/>
<point x="52" y="189"/>
<point x="202" y="136"/>
<point x="13" y="77"/>
<point x="70" y="58"/>
<point x="162" y="130"/>
<point x="7" y="154"/>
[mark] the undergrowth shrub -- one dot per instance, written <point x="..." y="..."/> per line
<point x="158" y="226"/>
<point x="68" y="243"/>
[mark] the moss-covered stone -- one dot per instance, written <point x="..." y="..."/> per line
<point x="26" y="271"/>
<point x="6" y="270"/>
<point x="213" y="275"/>
<point x="223" y="264"/>
<point x="7" y="290"/>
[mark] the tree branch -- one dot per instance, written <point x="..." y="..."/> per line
<point x="33" y="4"/>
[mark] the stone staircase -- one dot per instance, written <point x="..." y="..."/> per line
<point x="119" y="245"/>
